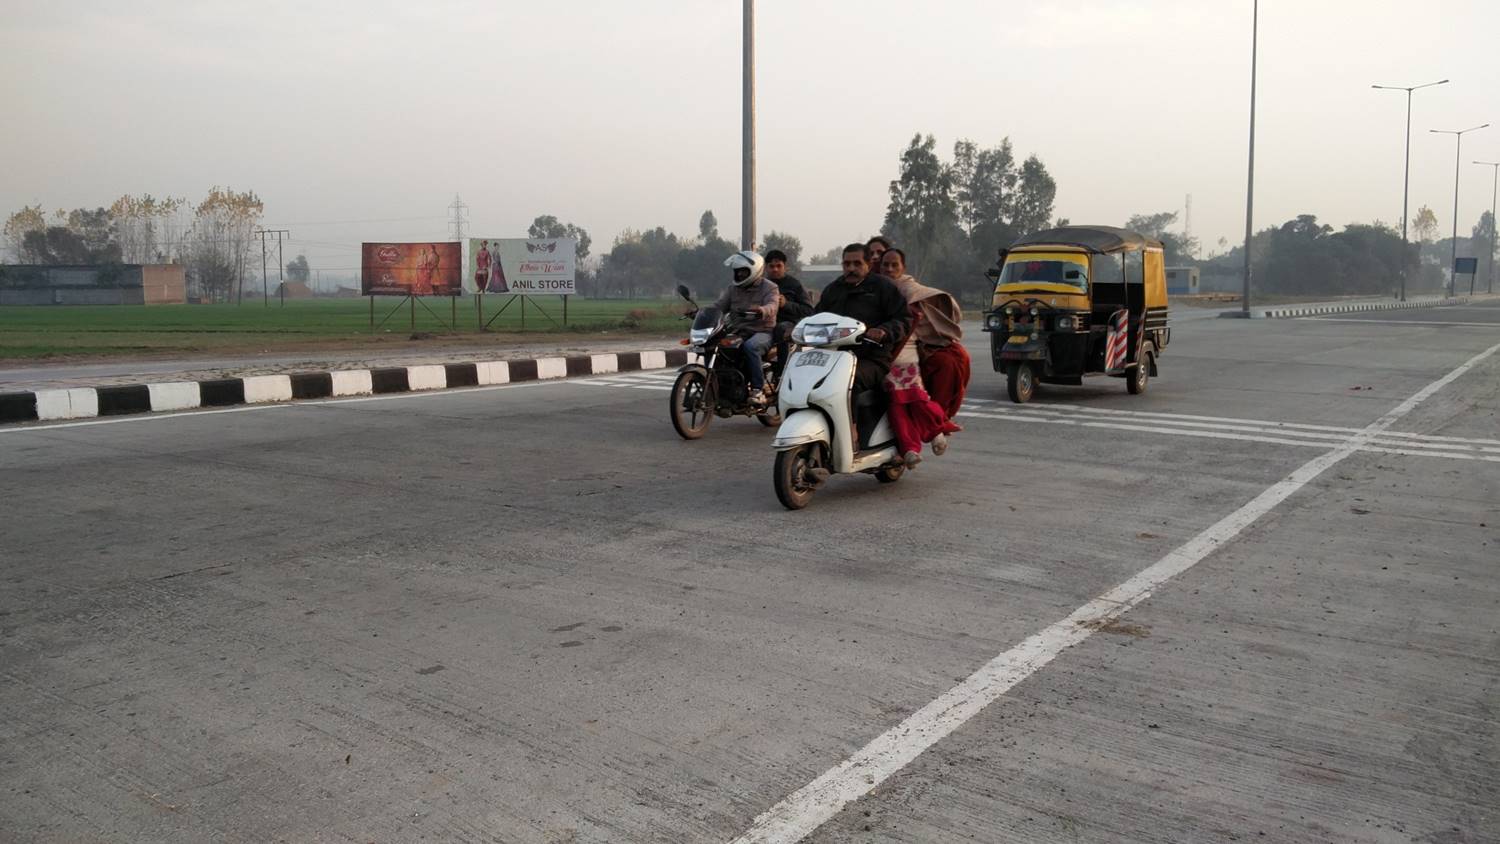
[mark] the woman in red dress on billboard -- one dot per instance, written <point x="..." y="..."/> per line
<point x="497" y="273"/>
<point x="482" y="267"/>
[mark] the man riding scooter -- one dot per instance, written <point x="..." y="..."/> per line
<point x="753" y="297"/>
<point x="875" y="301"/>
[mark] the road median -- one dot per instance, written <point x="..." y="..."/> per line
<point x="83" y="402"/>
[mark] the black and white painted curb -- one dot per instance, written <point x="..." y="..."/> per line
<point x="85" y="402"/>
<point x="1358" y="307"/>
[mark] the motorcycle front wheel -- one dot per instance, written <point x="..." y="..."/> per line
<point x="692" y="407"/>
<point x="794" y="489"/>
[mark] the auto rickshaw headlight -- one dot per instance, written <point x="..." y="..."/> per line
<point x="1064" y="323"/>
<point x="994" y="322"/>
<point x="1034" y="310"/>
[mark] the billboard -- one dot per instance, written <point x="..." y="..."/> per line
<point x="410" y="269"/>
<point x="522" y="266"/>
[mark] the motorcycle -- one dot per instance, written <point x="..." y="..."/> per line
<point x="818" y="438"/>
<point x="716" y="385"/>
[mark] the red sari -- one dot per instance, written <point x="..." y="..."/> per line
<point x="915" y="418"/>
<point x="945" y="371"/>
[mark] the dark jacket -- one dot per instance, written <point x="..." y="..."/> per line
<point x="798" y="305"/>
<point x="877" y="303"/>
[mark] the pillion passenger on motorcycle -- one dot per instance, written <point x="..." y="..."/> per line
<point x="875" y="301"/>
<point x="752" y="298"/>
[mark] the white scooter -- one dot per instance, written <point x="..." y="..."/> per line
<point x="817" y="434"/>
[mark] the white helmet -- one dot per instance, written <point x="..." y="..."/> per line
<point x="747" y="260"/>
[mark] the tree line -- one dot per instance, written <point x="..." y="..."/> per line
<point x="212" y="238"/>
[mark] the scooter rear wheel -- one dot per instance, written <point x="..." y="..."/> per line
<point x="793" y="487"/>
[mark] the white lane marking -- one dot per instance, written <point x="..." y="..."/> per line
<point x="1403" y="322"/>
<point x="1286" y="428"/>
<point x="808" y="808"/>
<point x="1227" y="435"/>
<point x="1250" y="434"/>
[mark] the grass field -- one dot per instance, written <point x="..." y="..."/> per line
<point x="77" y="332"/>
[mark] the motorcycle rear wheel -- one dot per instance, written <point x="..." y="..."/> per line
<point x="692" y="406"/>
<point x="793" y="488"/>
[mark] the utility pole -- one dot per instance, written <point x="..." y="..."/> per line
<point x="1458" y="148"/>
<point x="265" y="293"/>
<point x="1187" y="226"/>
<point x="1494" y="192"/>
<point x="747" y="171"/>
<point x="1250" y="190"/>
<point x="1406" y="179"/>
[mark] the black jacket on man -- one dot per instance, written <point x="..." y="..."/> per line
<point x="877" y="303"/>
<point x="798" y="305"/>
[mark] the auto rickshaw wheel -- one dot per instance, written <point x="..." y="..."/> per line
<point x="1137" y="379"/>
<point x="1020" y="382"/>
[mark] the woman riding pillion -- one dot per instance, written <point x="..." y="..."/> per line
<point x="752" y="296"/>
<point x="915" y="415"/>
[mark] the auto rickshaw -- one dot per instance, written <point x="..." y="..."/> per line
<point x="1076" y="301"/>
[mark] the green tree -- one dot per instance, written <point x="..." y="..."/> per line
<point x="29" y="219"/>
<point x="1178" y="248"/>
<point x="701" y="265"/>
<point x="1035" y="193"/>
<point x="640" y="264"/>
<point x="548" y="226"/>
<point x="922" y="213"/>
<point x="792" y="246"/>
<point x="708" y="227"/>
<point x="1424" y="225"/>
<point x="298" y="270"/>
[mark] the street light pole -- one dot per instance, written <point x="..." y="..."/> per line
<point x="1494" y="192"/>
<point x="747" y="172"/>
<point x="1406" y="179"/>
<point x="1250" y="188"/>
<point x="1458" y="135"/>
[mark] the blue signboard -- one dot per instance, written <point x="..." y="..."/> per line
<point x="1466" y="266"/>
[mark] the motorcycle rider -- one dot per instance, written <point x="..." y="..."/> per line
<point x="792" y="305"/>
<point x="752" y="296"/>
<point x="875" y="301"/>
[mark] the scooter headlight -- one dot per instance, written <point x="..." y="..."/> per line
<point x="820" y="333"/>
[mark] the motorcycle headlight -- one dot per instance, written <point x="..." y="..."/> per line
<point x="699" y="336"/>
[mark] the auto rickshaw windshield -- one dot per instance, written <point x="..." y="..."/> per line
<point x="1046" y="271"/>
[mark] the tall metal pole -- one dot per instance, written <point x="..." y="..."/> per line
<point x="265" y="294"/>
<point x="1494" y="193"/>
<point x="747" y="186"/>
<point x="1406" y="178"/>
<point x="1457" y="156"/>
<point x="1250" y="189"/>
<point x="280" y="271"/>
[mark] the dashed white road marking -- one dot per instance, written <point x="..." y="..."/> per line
<point x="808" y="808"/>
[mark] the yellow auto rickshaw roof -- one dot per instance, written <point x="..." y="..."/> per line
<point x="1104" y="240"/>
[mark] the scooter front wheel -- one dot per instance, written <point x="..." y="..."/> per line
<point x="794" y="485"/>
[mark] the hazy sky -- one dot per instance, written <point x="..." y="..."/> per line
<point x="627" y="114"/>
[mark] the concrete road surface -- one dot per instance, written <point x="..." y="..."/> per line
<point x="1258" y="603"/>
